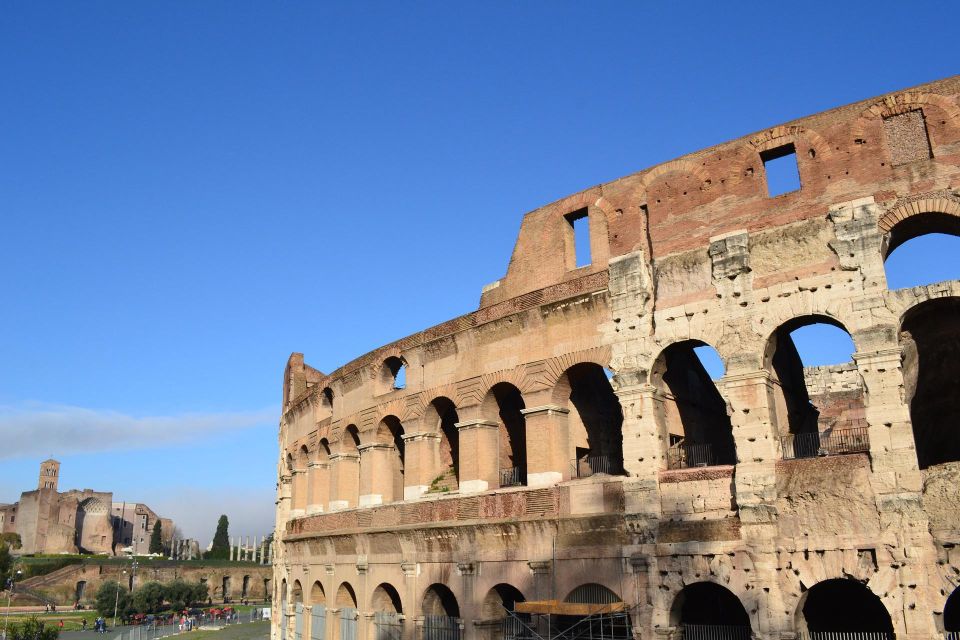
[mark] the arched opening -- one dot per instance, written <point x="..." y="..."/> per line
<point x="346" y="596"/>
<point x="691" y="409"/>
<point x="297" y="610"/>
<point x="266" y="589"/>
<point x="328" y="398"/>
<point x="843" y="605"/>
<point x="595" y="419"/>
<point x="318" y="612"/>
<point x="930" y="338"/>
<point x="817" y="391"/>
<point x="441" y="417"/>
<point x="708" y="610"/>
<point x="81" y="588"/>
<point x="347" y="603"/>
<point x="498" y="616"/>
<point x="320" y="477"/>
<point x="387" y="610"/>
<point x="284" y="621"/>
<point x="441" y="614"/>
<point x="393" y="373"/>
<point x="300" y="479"/>
<point x="245" y="587"/>
<point x="504" y="405"/>
<point x="347" y="477"/>
<point x="601" y="613"/>
<point x="923" y="249"/>
<point x="390" y="434"/>
<point x="951" y="612"/>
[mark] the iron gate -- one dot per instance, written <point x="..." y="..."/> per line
<point x="440" y="628"/>
<point x="715" y="632"/>
<point x="846" y="635"/>
<point x="298" y="621"/>
<point x="348" y="624"/>
<point x="387" y="625"/>
<point x="318" y="622"/>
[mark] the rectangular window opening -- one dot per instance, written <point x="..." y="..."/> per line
<point x="579" y="222"/>
<point x="780" y="165"/>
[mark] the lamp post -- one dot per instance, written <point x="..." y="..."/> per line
<point x="6" y="617"/>
<point x="116" y="601"/>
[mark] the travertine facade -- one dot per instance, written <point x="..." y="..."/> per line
<point x="510" y="467"/>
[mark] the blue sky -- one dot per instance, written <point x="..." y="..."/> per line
<point x="192" y="190"/>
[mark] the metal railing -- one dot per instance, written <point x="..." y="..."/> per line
<point x="715" y="632"/>
<point x="513" y="477"/>
<point x="829" y="443"/>
<point x="387" y="626"/>
<point x="592" y="465"/>
<point x="441" y="628"/>
<point x="845" y="635"/>
<point x="685" y="456"/>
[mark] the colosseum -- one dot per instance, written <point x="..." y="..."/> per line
<point x="559" y="464"/>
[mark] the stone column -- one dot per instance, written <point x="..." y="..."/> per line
<point x="345" y="473"/>
<point x="421" y="463"/>
<point x="299" y="492"/>
<point x="376" y="473"/>
<point x="549" y="457"/>
<point x="479" y="456"/>
<point x="231" y="549"/>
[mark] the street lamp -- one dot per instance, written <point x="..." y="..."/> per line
<point x="6" y="616"/>
<point x="116" y="601"/>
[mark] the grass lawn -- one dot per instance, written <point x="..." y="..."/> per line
<point x="248" y="631"/>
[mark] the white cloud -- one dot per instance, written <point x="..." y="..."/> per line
<point x="32" y="430"/>
<point x="196" y="511"/>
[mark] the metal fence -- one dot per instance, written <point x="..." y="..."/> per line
<point x="298" y="621"/>
<point x="715" y="632"/>
<point x="170" y="627"/>
<point x="592" y="465"/>
<point x="829" y="443"/>
<point x="387" y="625"/>
<point x="318" y="622"/>
<point x="513" y="477"/>
<point x="951" y="635"/>
<point x="440" y="628"/>
<point x="348" y="623"/>
<point x="685" y="456"/>
<point x="845" y="635"/>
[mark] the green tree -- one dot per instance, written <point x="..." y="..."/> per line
<point x="109" y="593"/>
<point x="33" y="629"/>
<point x="6" y="564"/>
<point x="220" y="549"/>
<point x="156" y="541"/>
<point x="200" y="592"/>
<point x="179" y="594"/>
<point x="149" y="597"/>
<point x="11" y="539"/>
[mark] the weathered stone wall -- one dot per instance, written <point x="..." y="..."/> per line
<point x="680" y="480"/>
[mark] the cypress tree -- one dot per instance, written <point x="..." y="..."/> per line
<point x="221" y="540"/>
<point x="156" y="539"/>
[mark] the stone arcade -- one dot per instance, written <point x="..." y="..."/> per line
<point x="491" y="464"/>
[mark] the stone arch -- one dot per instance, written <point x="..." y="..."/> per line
<point x="346" y="596"/>
<point x="908" y="220"/>
<point x="386" y="598"/>
<point x="841" y="605"/>
<point x="327" y="397"/>
<point x="439" y="600"/>
<point x="500" y="598"/>
<point x="349" y="440"/>
<point x="930" y="343"/>
<point x="318" y="596"/>
<point x="296" y="592"/>
<point x="441" y="418"/>
<point x="592" y="593"/>
<point x="807" y="420"/>
<point x="709" y="604"/>
<point x="389" y="434"/>
<point x="300" y="478"/>
<point x="594" y="421"/>
<point x="804" y="140"/>
<point x="393" y="373"/>
<point x="504" y="405"/>
<point x="690" y="410"/>
<point x="951" y="612"/>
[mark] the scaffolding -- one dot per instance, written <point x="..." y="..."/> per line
<point x="553" y="620"/>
